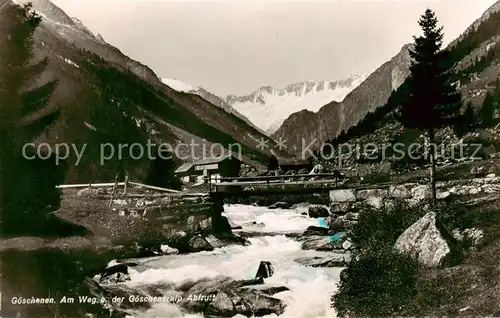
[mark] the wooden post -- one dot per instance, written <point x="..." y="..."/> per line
<point x="125" y="186"/>
<point x="210" y="182"/>
<point x="90" y="188"/>
<point x="115" y="187"/>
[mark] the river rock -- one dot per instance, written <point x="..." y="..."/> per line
<point x="329" y="261"/>
<point x="344" y="195"/>
<point x="247" y="302"/>
<point x="318" y="211"/>
<point x="336" y="223"/>
<point x="280" y="205"/>
<point x="316" y="230"/>
<point x="322" y="243"/>
<point x="193" y="224"/>
<point x="206" y="225"/>
<point x="348" y="245"/>
<point x="114" y="275"/>
<point x="230" y="298"/>
<point x="167" y="250"/>
<point x="270" y="290"/>
<point x="214" y="241"/>
<point x="265" y="270"/>
<point x="209" y="225"/>
<point x="424" y="241"/>
<point x="340" y="208"/>
<point x="254" y="224"/>
<point x="198" y="244"/>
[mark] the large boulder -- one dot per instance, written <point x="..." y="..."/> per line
<point x="214" y="225"/>
<point x="225" y="297"/>
<point x="248" y="302"/>
<point x="318" y="211"/>
<point x="424" y="241"/>
<point x="265" y="270"/>
<point x="344" y="195"/>
<point x="113" y="275"/>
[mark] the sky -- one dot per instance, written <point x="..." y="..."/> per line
<point x="235" y="47"/>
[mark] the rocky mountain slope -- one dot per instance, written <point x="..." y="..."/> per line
<point x="307" y="128"/>
<point x="105" y="96"/>
<point x="268" y="107"/>
<point x="210" y="97"/>
<point x="476" y="54"/>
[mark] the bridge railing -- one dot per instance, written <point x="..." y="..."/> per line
<point x="269" y="181"/>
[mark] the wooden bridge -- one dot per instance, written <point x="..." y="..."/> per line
<point x="273" y="185"/>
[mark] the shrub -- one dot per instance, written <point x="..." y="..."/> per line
<point x="381" y="282"/>
<point x="379" y="228"/>
<point x="377" y="284"/>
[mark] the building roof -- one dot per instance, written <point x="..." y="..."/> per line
<point x="206" y="161"/>
<point x="184" y="167"/>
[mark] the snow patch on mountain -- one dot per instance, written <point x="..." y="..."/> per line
<point x="177" y="85"/>
<point x="269" y="107"/>
<point x="181" y="86"/>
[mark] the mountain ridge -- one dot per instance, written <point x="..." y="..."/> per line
<point x="210" y="97"/>
<point x="100" y="88"/>
<point x="312" y="129"/>
<point x="268" y="107"/>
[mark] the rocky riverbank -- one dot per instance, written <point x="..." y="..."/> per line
<point x="408" y="256"/>
<point x="217" y="274"/>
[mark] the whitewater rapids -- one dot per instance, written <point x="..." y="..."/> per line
<point x="310" y="288"/>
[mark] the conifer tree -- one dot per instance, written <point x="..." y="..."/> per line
<point x="27" y="187"/>
<point x="433" y="101"/>
<point x="487" y="111"/>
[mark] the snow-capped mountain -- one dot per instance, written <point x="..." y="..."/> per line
<point x="178" y="85"/>
<point x="268" y="107"/>
<point x="181" y="86"/>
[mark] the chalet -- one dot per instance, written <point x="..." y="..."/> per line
<point x="215" y="168"/>
<point x="288" y="164"/>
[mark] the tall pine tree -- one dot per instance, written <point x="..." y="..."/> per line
<point x="27" y="187"/>
<point x="433" y="100"/>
